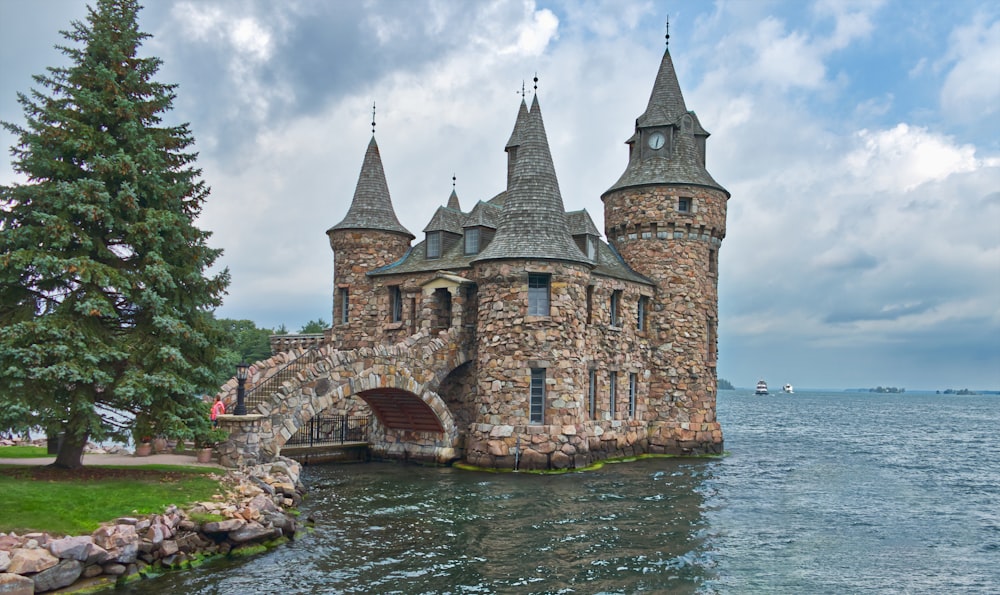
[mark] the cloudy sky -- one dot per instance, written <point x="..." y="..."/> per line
<point x="860" y="141"/>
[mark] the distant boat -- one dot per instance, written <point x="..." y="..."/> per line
<point x="761" y="388"/>
<point x="788" y="389"/>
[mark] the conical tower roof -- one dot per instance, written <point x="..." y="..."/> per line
<point x="371" y="207"/>
<point x="519" y="125"/>
<point x="684" y="162"/>
<point x="453" y="201"/>
<point x="533" y="219"/>
<point x="666" y="102"/>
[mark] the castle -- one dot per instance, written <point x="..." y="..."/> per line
<point x="581" y="349"/>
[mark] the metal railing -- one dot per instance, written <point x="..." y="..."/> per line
<point x="260" y="393"/>
<point x="331" y="429"/>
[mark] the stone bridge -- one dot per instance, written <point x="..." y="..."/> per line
<point x="398" y="383"/>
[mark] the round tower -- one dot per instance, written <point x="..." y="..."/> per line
<point x="370" y="236"/>
<point x="666" y="216"/>
<point x="532" y="280"/>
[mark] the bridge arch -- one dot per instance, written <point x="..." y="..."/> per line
<point x="398" y="384"/>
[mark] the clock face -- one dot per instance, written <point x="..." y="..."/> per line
<point x="655" y="140"/>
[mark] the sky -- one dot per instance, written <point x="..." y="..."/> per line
<point x="860" y="141"/>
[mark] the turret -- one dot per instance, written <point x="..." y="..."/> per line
<point x="666" y="216"/>
<point x="370" y="236"/>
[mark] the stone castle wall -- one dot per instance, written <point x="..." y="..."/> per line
<point x="681" y="250"/>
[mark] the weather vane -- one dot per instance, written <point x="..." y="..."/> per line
<point x="668" y="29"/>
<point x="453" y="178"/>
<point x="373" y="118"/>
<point x="536" y="83"/>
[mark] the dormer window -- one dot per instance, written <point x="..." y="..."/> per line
<point x="591" y="248"/>
<point x="472" y="240"/>
<point x="434" y="244"/>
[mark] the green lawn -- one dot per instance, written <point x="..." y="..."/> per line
<point x="23" y="452"/>
<point x="77" y="502"/>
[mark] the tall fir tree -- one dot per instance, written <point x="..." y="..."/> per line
<point x="105" y="300"/>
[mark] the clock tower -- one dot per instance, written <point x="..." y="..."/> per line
<point x="666" y="216"/>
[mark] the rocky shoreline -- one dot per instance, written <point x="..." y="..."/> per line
<point x="257" y="510"/>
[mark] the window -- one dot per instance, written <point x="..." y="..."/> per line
<point x="633" y="380"/>
<point x="434" y="244"/>
<point x="472" y="241"/>
<point x="712" y="261"/>
<point x="592" y="394"/>
<point x="612" y="387"/>
<point x="711" y="341"/>
<point x="640" y="313"/>
<point x="344" y="306"/>
<point x="537" y="395"/>
<point x="395" y="304"/>
<point x="591" y="248"/>
<point x="616" y="298"/>
<point x="538" y="294"/>
<point x="684" y="204"/>
<point x="590" y="304"/>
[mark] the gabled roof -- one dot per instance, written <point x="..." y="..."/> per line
<point x="483" y="215"/>
<point x="533" y="220"/>
<point x="446" y="219"/>
<point x="580" y="223"/>
<point x="371" y="207"/>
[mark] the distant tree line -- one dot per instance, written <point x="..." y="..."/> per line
<point x="725" y="384"/>
<point x="887" y="389"/>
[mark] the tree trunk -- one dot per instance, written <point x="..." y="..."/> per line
<point x="71" y="452"/>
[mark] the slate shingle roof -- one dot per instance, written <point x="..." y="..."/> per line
<point x="446" y="219"/>
<point x="533" y="220"/>
<point x="484" y="214"/>
<point x="684" y="165"/>
<point x="371" y="207"/>
<point x="579" y="222"/>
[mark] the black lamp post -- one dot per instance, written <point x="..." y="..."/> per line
<point x="241" y="376"/>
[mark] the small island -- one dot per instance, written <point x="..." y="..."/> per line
<point x="887" y="389"/>
<point x="725" y="384"/>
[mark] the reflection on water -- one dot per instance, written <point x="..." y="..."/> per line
<point x="392" y="528"/>
<point x="820" y="493"/>
<point x="624" y="528"/>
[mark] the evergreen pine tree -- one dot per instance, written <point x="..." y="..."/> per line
<point x="105" y="305"/>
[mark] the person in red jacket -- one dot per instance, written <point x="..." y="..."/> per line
<point x="218" y="408"/>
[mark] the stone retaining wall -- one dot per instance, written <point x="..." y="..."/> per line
<point x="254" y="511"/>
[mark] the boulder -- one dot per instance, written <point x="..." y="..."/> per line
<point x="72" y="548"/>
<point x="25" y="561"/>
<point x="254" y="532"/>
<point x="4" y="560"/>
<point x="61" y="575"/>
<point x="223" y="526"/>
<point x="15" y="584"/>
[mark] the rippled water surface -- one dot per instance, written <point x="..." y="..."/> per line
<point x="820" y="493"/>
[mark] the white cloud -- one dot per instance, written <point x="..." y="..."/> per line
<point x="905" y="157"/>
<point x="971" y="91"/>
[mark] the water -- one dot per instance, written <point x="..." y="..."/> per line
<point x="820" y="493"/>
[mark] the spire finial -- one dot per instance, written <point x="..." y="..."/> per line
<point x="453" y="178"/>
<point x="536" y="83"/>
<point x="373" y="118"/>
<point x="522" y="89"/>
<point x="668" y="30"/>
